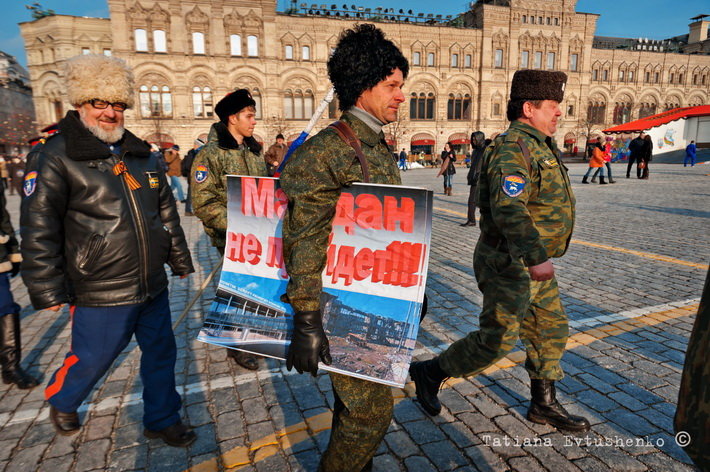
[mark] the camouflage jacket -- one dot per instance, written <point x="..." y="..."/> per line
<point x="221" y="156"/>
<point x="312" y="180"/>
<point x="532" y="208"/>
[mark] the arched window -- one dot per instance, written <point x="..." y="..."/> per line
<point x="421" y="106"/>
<point x="159" y="41"/>
<point x="458" y="107"/>
<point x="646" y="109"/>
<point x="252" y="46"/>
<point x="622" y="112"/>
<point x="298" y="105"/>
<point x="256" y="95"/>
<point x="430" y="59"/>
<point x="306" y="53"/>
<point x="596" y="111"/>
<point x="141" y="40"/>
<point x="202" y="102"/>
<point x="417" y="59"/>
<point x="454" y="60"/>
<point x="235" y="45"/>
<point x="288" y="52"/>
<point x="155" y="101"/>
<point x="198" y="43"/>
<point x="671" y="103"/>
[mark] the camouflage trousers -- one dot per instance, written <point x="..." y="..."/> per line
<point x="361" y="416"/>
<point x="514" y="306"/>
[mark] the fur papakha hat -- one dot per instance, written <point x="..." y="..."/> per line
<point x="232" y="103"/>
<point x="90" y="76"/>
<point x="538" y="85"/>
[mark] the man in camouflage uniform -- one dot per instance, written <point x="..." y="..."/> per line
<point x="368" y="72"/>
<point x="527" y="215"/>
<point x="693" y="413"/>
<point x="230" y="149"/>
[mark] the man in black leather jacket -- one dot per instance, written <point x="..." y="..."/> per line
<point x="98" y="223"/>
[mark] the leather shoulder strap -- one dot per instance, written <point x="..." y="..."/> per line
<point x="347" y="135"/>
<point x="526" y="154"/>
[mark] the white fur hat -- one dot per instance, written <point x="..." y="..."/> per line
<point x="90" y="76"/>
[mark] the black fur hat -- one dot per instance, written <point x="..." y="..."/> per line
<point x="233" y="103"/>
<point x="538" y="85"/>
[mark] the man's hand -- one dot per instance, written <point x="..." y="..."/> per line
<point x="308" y="344"/>
<point x="55" y="307"/>
<point x="544" y="271"/>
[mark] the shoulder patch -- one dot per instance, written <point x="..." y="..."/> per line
<point x="30" y="183"/>
<point x="513" y="185"/>
<point x="201" y="174"/>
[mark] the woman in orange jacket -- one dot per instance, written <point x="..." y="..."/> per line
<point x="596" y="162"/>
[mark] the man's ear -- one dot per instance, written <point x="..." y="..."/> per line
<point x="527" y="109"/>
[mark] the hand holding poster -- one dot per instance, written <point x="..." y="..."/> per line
<point x="373" y="283"/>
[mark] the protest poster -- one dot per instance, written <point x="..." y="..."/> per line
<point x="373" y="283"/>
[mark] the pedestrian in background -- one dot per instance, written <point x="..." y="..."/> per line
<point x="10" y="335"/>
<point x="274" y="156"/>
<point x="173" y="161"/>
<point x="403" y="160"/>
<point x="98" y="224"/>
<point x="636" y="152"/>
<point x="596" y="163"/>
<point x="185" y="171"/>
<point x="478" y="146"/>
<point x="230" y="150"/>
<point x="448" y="158"/>
<point x="607" y="162"/>
<point x="690" y="152"/>
<point x="523" y="188"/>
<point x="368" y="72"/>
<point x="646" y="156"/>
<point x="16" y="171"/>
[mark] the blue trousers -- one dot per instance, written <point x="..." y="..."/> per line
<point x="99" y="334"/>
<point x="175" y="184"/>
<point x="7" y="303"/>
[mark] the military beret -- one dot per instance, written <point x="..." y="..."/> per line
<point x="538" y="85"/>
<point x="233" y="103"/>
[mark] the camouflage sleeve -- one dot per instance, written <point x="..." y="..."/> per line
<point x="209" y="199"/>
<point x="313" y="190"/>
<point x="510" y="189"/>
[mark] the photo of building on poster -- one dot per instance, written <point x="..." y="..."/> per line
<point x="373" y="283"/>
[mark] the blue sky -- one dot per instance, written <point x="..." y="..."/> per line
<point x="654" y="19"/>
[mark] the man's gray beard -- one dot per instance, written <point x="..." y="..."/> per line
<point x="109" y="137"/>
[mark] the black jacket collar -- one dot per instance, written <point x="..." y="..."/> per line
<point x="81" y="145"/>
<point x="225" y="140"/>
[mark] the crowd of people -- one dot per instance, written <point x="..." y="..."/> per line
<point x="99" y="222"/>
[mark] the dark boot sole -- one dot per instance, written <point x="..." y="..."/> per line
<point x="544" y="420"/>
<point x="63" y="432"/>
<point x="156" y="435"/>
<point x="424" y="405"/>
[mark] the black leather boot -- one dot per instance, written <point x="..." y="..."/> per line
<point x="545" y="409"/>
<point x="176" y="435"/>
<point x="65" y="424"/>
<point x="428" y="377"/>
<point x="602" y="181"/>
<point x="11" y="353"/>
<point x="584" y="180"/>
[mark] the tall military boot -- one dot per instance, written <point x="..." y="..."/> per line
<point x="428" y="377"/>
<point x="11" y="353"/>
<point x="602" y="181"/>
<point x="545" y="409"/>
<point x="584" y="180"/>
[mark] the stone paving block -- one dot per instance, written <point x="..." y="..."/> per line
<point x="257" y="431"/>
<point x="513" y="427"/>
<point x="128" y="458"/>
<point x="616" y="459"/>
<point x="623" y="398"/>
<point x="55" y="464"/>
<point x="445" y="455"/>
<point x="99" y="427"/>
<point x="460" y="434"/>
<point x="92" y="455"/>
<point x="206" y="440"/>
<point x="247" y="389"/>
<point x="668" y="392"/>
<point x="596" y="383"/>
<point x="304" y="462"/>
<point x="26" y="459"/>
<point x="591" y="464"/>
<point x="254" y="410"/>
<point x="424" y="431"/>
<point x="489" y="408"/>
<point x="662" y="463"/>
<point x="595" y="400"/>
<point x="229" y="425"/>
<point x="454" y="401"/>
<point x="38" y="433"/>
<point x="639" y="393"/>
<point x="503" y="444"/>
<point x="408" y="411"/>
<point x="128" y="436"/>
<point x="418" y="464"/>
<point x="14" y="431"/>
<point x="401" y="444"/>
<point x="525" y="464"/>
<point x="272" y="463"/>
<point x="166" y="458"/>
<point x="485" y="459"/>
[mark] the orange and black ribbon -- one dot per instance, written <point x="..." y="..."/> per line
<point x="131" y="181"/>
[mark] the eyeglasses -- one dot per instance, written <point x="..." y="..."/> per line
<point x="103" y="104"/>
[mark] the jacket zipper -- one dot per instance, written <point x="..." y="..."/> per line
<point x="140" y="230"/>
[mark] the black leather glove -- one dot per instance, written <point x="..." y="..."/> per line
<point x="308" y="344"/>
<point x="15" y="269"/>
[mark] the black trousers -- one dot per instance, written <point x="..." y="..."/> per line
<point x="471" y="218"/>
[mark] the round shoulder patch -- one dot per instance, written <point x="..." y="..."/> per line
<point x="513" y="185"/>
<point x="200" y="174"/>
<point x="30" y="183"/>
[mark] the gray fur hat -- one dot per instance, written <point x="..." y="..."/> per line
<point x="531" y="84"/>
<point x="90" y="76"/>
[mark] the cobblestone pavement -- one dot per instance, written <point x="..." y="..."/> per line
<point x="631" y="283"/>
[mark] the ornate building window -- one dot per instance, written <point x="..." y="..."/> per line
<point x="458" y="107"/>
<point x="160" y="43"/>
<point x="573" y="58"/>
<point x="252" y="46"/>
<point x="298" y="104"/>
<point x="671" y="103"/>
<point x="622" y="111"/>
<point x="202" y="102"/>
<point x="431" y="59"/>
<point x="538" y="60"/>
<point x="524" y="59"/>
<point x="198" y="43"/>
<point x="621" y="75"/>
<point x="498" y="60"/>
<point x="550" y="60"/>
<point x="417" y="58"/>
<point x="467" y="61"/>
<point x="306" y="53"/>
<point x="288" y="52"/>
<point x="256" y="95"/>
<point x="454" y="60"/>
<point x="141" y="37"/>
<point x="155" y="101"/>
<point x="235" y="45"/>
<point x="596" y="110"/>
<point x="421" y="106"/>
<point x="646" y="109"/>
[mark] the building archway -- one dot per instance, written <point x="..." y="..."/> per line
<point x="460" y="143"/>
<point x="162" y="140"/>
<point x="423" y="144"/>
